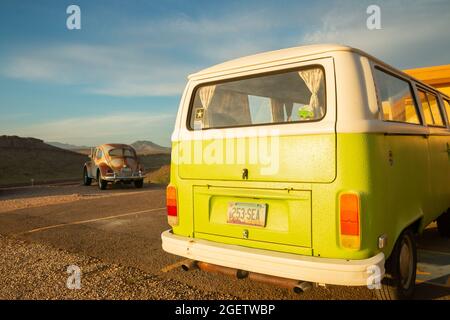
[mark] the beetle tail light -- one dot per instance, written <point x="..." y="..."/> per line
<point x="171" y="203"/>
<point x="349" y="218"/>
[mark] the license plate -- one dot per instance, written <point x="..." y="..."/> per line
<point x="253" y="214"/>
<point x="126" y="172"/>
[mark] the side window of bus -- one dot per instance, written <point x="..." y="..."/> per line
<point x="430" y="107"/>
<point x="435" y="109"/>
<point x="425" y="107"/>
<point x="447" y="108"/>
<point x="396" y="98"/>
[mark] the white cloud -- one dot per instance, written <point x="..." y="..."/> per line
<point x="213" y="39"/>
<point x="99" y="129"/>
<point x="151" y="58"/>
<point x="148" y="58"/>
<point x="414" y="33"/>
<point x="103" y="69"/>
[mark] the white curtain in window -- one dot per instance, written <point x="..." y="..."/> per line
<point x="243" y="113"/>
<point x="206" y="94"/>
<point x="313" y="79"/>
<point x="277" y="110"/>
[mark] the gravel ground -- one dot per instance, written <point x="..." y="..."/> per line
<point x="41" y="273"/>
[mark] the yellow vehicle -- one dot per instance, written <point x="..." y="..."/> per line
<point x="315" y="164"/>
<point x="436" y="76"/>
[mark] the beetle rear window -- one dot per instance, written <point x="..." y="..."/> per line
<point x="294" y="96"/>
<point x="118" y="152"/>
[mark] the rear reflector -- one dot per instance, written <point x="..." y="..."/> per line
<point x="349" y="212"/>
<point x="171" y="203"/>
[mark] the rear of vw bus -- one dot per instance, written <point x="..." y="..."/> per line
<point x="261" y="181"/>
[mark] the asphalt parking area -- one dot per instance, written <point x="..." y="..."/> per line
<point x="121" y="228"/>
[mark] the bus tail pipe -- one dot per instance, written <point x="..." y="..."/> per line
<point x="291" y="284"/>
<point x="189" y="265"/>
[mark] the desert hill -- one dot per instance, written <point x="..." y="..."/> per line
<point x="66" y="146"/>
<point x="144" y="147"/>
<point x="24" y="159"/>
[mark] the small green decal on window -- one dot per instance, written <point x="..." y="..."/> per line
<point x="305" y="112"/>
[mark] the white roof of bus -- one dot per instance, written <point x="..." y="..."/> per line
<point x="272" y="56"/>
<point x="286" y="54"/>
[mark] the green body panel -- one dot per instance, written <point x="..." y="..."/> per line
<point x="295" y="158"/>
<point x="391" y="173"/>
<point x="439" y="171"/>
<point x="255" y="244"/>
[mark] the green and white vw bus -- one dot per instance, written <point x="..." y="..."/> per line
<point x="309" y="165"/>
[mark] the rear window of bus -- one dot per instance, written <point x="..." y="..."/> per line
<point x="396" y="98"/>
<point x="284" y="97"/>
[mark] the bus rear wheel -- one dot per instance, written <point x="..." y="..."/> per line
<point x="443" y="224"/>
<point x="400" y="280"/>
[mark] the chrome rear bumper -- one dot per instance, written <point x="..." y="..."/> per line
<point x="116" y="178"/>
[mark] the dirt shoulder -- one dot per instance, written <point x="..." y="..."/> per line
<point x="38" y="196"/>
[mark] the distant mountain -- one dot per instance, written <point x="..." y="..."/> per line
<point x="16" y="142"/>
<point x="142" y="147"/>
<point x="147" y="147"/>
<point x="66" y="146"/>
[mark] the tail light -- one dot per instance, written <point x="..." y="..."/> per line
<point x="171" y="203"/>
<point x="349" y="213"/>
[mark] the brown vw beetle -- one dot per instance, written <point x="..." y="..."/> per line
<point x="113" y="163"/>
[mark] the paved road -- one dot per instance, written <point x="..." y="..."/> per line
<point x="122" y="225"/>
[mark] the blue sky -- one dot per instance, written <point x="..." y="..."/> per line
<point x="120" y="77"/>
